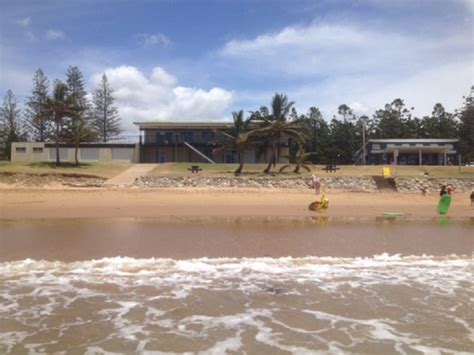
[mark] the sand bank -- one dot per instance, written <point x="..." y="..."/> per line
<point x="142" y="203"/>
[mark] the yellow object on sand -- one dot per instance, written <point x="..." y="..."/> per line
<point x="320" y="205"/>
<point x="386" y="172"/>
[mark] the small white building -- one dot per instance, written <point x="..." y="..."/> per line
<point x="88" y="152"/>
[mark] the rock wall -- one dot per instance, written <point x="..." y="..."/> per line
<point x="365" y="184"/>
<point x="345" y="183"/>
<point x="432" y="185"/>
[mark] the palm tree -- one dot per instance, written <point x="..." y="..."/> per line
<point x="80" y="132"/>
<point x="237" y="139"/>
<point x="300" y="160"/>
<point x="275" y="125"/>
<point x="58" y="107"/>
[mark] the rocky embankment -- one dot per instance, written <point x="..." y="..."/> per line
<point x="345" y="183"/>
<point x="414" y="184"/>
<point x="362" y="184"/>
<point x="40" y="180"/>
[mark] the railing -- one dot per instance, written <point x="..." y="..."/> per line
<point x="199" y="153"/>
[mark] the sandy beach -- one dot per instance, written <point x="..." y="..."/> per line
<point x="149" y="203"/>
<point x="121" y="270"/>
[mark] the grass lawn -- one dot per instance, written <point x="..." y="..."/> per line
<point x="104" y="170"/>
<point x="255" y="170"/>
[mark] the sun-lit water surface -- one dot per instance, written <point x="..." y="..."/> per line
<point x="381" y="304"/>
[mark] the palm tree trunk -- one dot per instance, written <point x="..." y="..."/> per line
<point x="57" y="144"/>
<point x="273" y="157"/>
<point x="239" y="169"/>
<point x="275" y="151"/>
<point x="269" y="166"/>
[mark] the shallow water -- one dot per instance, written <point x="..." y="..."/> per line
<point x="383" y="304"/>
<point x="361" y="299"/>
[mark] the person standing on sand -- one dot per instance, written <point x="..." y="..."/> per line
<point x="445" y="199"/>
<point x="443" y="191"/>
<point x="316" y="184"/>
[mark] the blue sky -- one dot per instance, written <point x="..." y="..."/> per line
<point x="200" y="60"/>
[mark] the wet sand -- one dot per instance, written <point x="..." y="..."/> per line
<point x="85" y="239"/>
<point x="109" y="203"/>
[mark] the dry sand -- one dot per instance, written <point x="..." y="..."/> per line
<point x="107" y="203"/>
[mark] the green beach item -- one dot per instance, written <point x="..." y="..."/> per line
<point x="393" y="214"/>
<point x="444" y="203"/>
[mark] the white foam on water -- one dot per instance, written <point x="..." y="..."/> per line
<point x="9" y="339"/>
<point x="163" y="289"/>
<point x="223" y="346"/>
<point x="97" y="350"/>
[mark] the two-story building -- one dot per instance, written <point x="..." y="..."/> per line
<point x="174" y="141"/>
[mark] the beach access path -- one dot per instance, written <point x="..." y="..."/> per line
<point x="182" y="203"/>
<point x="128" y="176"/>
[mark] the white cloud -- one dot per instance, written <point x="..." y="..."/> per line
<point x="328" y="64"/>
<point x="53" y="35"/>
<point x="158" y="97"/>
<point x="24" y="22"/>
<point x="157" y="39"/>
<point x="469" y="4"/>
<point x="30" y="36"/>
<point x="320" y="49"/>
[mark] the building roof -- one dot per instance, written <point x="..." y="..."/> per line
<point x="182" y="125"/>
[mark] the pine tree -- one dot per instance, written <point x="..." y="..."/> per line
<point x="106" y="119"/>
<point x="40" y="126"/>
<point x="10" y="122"/>
<point x="59" y="107"/>
<point x="76" y="92"/>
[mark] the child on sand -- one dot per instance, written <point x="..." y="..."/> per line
<point x="316" y="184"/>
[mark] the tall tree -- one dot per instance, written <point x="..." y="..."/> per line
<point x="274" y="126"/>
<point x="10" y="122"/>
<point x="80" y="132"/>
<point x="59" y="107"/>
<point x="440" y="124"/>
<point x="76" y="92"/>
<point x="346" y="138"/>
<point x="343" y="141"/>
<point x="317" y="130"/>
<point x="393" y="120"/>
<point x="106" y="119"/>
<point x="466" y="128"/>
<point x="346" y="112"/>
<point x="238" y="139"/>
<point x="40" y="125"/>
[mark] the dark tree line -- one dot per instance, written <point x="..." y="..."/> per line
<point x="339" y="139"/>
<point x="60" y="112"/>
<point x="316" y="140"/>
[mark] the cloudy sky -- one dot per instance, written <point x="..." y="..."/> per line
<point x="203" y="59"/>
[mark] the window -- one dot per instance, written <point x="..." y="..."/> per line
<point x="207" y="136"/>
<point x="187" y="136"/>
<point x="37" y="150"/>
<point x="20" y="149"/>
<point x="168" y="137"/>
